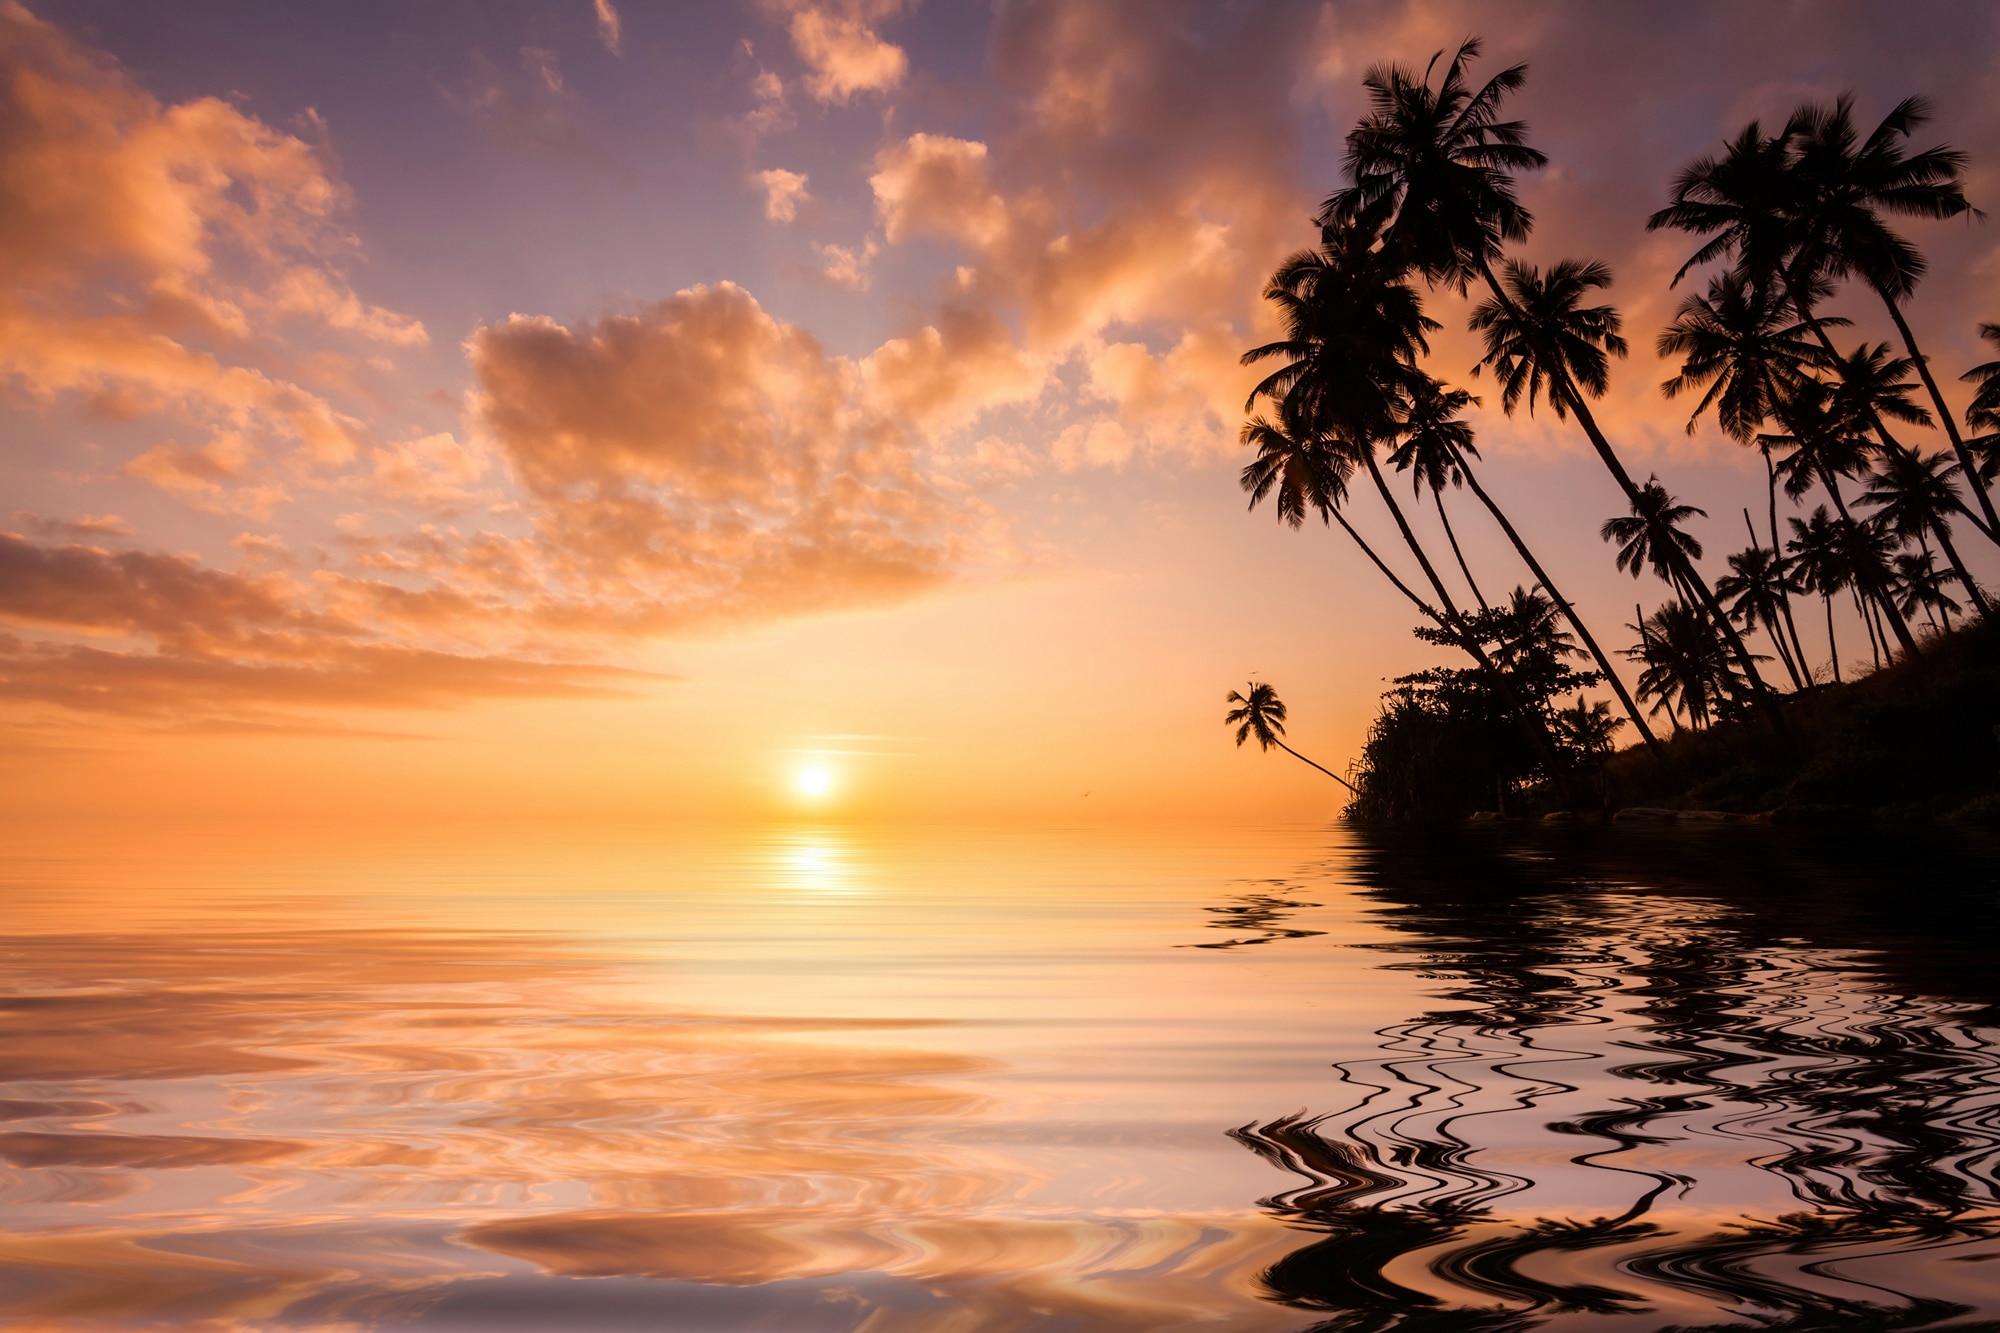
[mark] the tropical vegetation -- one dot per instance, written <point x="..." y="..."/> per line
<point x="1784" y="221"/>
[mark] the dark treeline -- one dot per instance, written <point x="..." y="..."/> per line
<point x="1784" y="218"/>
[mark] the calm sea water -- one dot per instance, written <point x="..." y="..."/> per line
<point x="818" y="1079"/>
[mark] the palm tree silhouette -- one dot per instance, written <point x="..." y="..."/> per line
<point x="1686" y="666"/>
<point x="1431" y="443"/>
<point x="1913" y="497"/>
<point x="1846" y="185"/>
<point x="1755" y="590"/>
<point x="1651" y="535"/>
<point x="1433" y="437"/>
<point x="1261" y="713"/>
<point x="1438" y="163"/>
<point x="1920" y="587"/>
<point x="1983" y="412"/>
<point x="1543" y="341"/>
<point x="1820" y="557"/>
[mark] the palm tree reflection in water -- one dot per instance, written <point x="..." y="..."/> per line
<point x="1692" y="1053"/>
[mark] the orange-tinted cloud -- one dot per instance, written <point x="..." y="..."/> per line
<point x="843" y="53"/>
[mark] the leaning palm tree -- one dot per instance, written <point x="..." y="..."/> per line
<point x="1983" y="412"/>
<point x="1914" y="497"/>
<point x="1737" y="344"/>
<point x="1920" y="588"/>
<point x="1430" y="443"/>
<point x="1651" y="536"/>
<point x="1843" y="186"/>
<point x="1436" y="438"/>
<point x="1687" y="668"/>
<point x="1438" y="163"/>
<point x="1543" y="341"/>
<point x="1261" y="713"/>
<point x="1821" y="559"/>
<point x="1754" y="590"/>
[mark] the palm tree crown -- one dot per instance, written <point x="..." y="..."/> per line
<point x="1650" y="534"/>
<point x="1544" y="340"/>
<point x="1440" y="160"/>
<point x="1736" y="340"/>
<point x="1260" y="713"/>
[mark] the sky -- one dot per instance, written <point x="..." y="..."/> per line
<point x="575" y="410"/>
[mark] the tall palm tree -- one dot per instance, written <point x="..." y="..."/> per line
<point x="1797" y="208"/>
<point x="1754" y="589"/>
<point x="1983" y="412"/>
<point x="1542" y="340"/>
<point x="1261" y="713"/>
<point x="1820" y="557"/>
<point x="1920" y="587"/>
<point x="1686" y="666"/>
<point x="1308" y="472"/>
<point x="1913" y="497"/>
<point x="1438" y="163"/>
<point x="1430" y="442"/>
<point x="1651" y="536"/>
<point x="1844" y="186"/>
<point x="1432" y="410"/>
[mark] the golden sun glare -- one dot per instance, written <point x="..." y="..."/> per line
<point x="814" y="782"/>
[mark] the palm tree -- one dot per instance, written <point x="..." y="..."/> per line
<point x="1820" y="556"/>
<point x="1920" y="587"/>
<point x="1845" y="185"/>
<point x="1983" y="412"/>
<point x="1755" y="591"/>
<point x="1437" y="162"/>
<point x="1261" y="713"/>
<point x="1434" y="437"/>
<point x="1686" y="666"/>
<point x="1801" y="207"/>
<point x="1913" y="497"/>
<point x="1588" y="726"/>
<point x="1309" y="472"/>
<point x="1541" y="340"/>
<point x="1651" y="535"/>
<point x="1430" y="443"/>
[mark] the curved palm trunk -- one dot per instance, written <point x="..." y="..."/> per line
<point x="1991" y="528"/>
<point x="1437" y="497"/>
<point x="1876" y="595"/>
<point x="1532" y="725"/>
<point x="1832" y="644"/>
<point x="1387" y="572"/>
<point x="1958" y="567"/>
<point x="1683" y="566"/>
<point x="1611" y="677"/>
<point x="1321" y="767"/>
<point x="1768" y="621"/>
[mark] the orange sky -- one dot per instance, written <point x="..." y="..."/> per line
<point x="546" y="415"/>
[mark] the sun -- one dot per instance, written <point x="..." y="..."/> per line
<point x="814" y="782"/>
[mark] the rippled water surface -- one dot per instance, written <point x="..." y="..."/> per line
<point x="824" y="1080"/>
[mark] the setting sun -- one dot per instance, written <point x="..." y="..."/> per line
<point x="814" y="782"/>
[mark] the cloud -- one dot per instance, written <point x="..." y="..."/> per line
<point x="784" y="192"/>
<point x="714" y="457"/>
<point x="610" y="28"/>
<point x="528" y="106"/>
<point x="846" y="266"/>
<point x="87" y="527"/>
<point x="843" y="53"/>
<point x="931" y="184"/>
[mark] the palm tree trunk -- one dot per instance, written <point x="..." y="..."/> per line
<point x="1958" y="567"/>
<point x="1832" y="644"/>
<point x="1683" y="566"/>
<point x="1877" y="595"/>
<point x="1778" y="550"/>
<point x="1867" y="625"/>
<point x="1438" y="498"/>
<point x="1321" y="767"/>
<point x="1770" y="623"/>
<point x="1387" y="573"/>
<point x="1958" y="449"/>
<point x="1611" y="677"/>
<point x="1532" y="725"/>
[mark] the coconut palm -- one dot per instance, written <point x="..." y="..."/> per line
<point x="1983" y="412"/>
<point x="1913" y="497"/>
<point x="1686" y="667"/>
<point x="1651" y="536"/>
<point x="1430" y="443"/>
<point x="1920" y="587"/>
<point x="1845" y="184"/>
<point x="1438" y="163"/>
<point x="1308" y="472"/>
<point x="1435" y="438"/>
<point x="1754" y="590"/>
<point x="1541" y="340"/>
<point x="1261" y="713"/>
<point x="1588" y="726"/>
<point x="1739" y="345"/>
<point x="1820" y="558"/>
